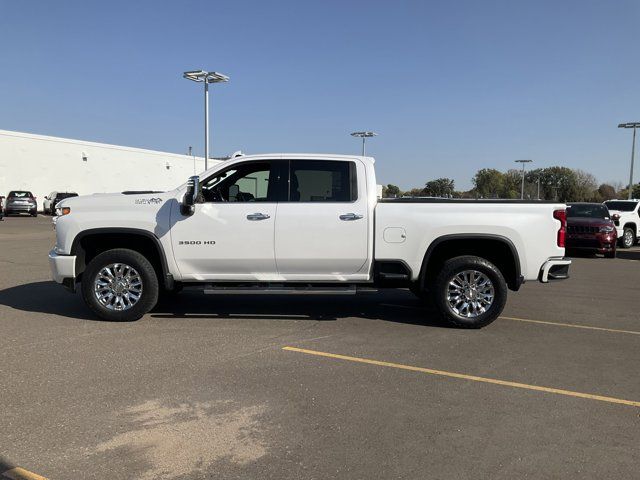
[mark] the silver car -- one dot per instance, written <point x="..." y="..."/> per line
<point x="20" y="201"/>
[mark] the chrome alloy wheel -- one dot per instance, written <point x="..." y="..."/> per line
<point x="470" y="293"/>
<point x="628" y="238"/>
<point x="118" y="286"/>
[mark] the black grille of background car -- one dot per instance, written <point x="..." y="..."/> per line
<point x="582" y="229"/>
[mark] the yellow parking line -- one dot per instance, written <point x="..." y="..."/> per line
<point x="572" y="325"/>
<point x="18" y="473"/>
<point x="463" y="376"/>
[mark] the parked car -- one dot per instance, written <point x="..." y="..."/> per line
<point x="303" y="224"/>
<point x="626" y="217"/>
<point x="20" y="201"/>
<point x="51" y="200"/>
<point x="590" y="228"/>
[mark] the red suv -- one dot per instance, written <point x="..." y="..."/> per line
<point x="590" y="228"/>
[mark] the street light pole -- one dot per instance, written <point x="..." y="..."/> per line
<point x="364" y="136"/>
<point x="206" y="125"/>
<point x="202" y="76"/>
<point x="633" y="125"/>
<point x="522" y="187"/>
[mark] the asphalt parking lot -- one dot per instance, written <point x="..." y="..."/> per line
<point x="363" y="387"/>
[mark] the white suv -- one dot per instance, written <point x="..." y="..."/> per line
<point x="626" y="216"/>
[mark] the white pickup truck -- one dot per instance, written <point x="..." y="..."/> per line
<point x="626" y="217"/>
<point x="303" y="224"/>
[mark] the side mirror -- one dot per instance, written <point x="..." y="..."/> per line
<point x="615" y="217"/>
<point x="191" y="195"/>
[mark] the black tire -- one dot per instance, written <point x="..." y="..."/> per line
<point x="628" y="239"/>
<point x="611" y="254"/>
<point x="450" y="269"/>
<point x="148" y="298"/>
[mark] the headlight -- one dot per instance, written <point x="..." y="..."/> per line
<point x="606" y="229"/>
<point x="60" y="211"/>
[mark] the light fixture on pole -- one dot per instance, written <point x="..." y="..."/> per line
<point x="633" y="125"/>
<point x="364" y="136"/>
<point x="206" y="78"/>
<point x="522" y="188"/>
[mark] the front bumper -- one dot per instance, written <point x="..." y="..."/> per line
<point x="556" y="268"/>
<point x="63" y="268"/>
<point x="601" y="242"/>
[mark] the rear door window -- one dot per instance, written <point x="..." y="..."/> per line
<point x="322" y="181"/>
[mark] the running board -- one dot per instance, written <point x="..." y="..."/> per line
<point x="274" y="290"/>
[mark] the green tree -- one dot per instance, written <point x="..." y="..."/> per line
<point x="625" y="192"/>
<point x="586" y="187"/>
<point x="512" y="184"/>
<point x="558" y="183"/>
<point x="440" y="187"/>
<point x="391" y="191"/>
<point x="488" y="183"/>
<point x="415" y="192"/>
<point x="606" y="192"/>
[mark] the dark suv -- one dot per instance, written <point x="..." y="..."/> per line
<point x="51" y="200"/>
<point x="20" y="201"/>
<point x="590" y="228"/>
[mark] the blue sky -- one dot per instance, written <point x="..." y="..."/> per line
<point x="451" y="86"/>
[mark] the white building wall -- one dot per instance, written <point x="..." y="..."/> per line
<point x="44" y="164"/>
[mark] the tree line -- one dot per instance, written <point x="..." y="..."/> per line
<point x="552" y="183"/>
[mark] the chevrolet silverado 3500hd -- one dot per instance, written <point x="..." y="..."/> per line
<point x="303" y="224"/>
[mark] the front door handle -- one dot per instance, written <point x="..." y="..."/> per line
<point x="257" y="216"/>
<point x="347" y="217"/>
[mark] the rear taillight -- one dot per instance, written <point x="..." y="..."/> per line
<point x="562" y="232"/>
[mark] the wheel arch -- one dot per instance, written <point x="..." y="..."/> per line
<point x="89" y="243"/>
<point x="497" y="249"/>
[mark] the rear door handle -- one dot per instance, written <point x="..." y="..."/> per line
<point x="347" y="217"/>
<point x="257" y="216"/>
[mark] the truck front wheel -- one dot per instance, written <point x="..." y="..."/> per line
<point x="469" y="292"/>
<point x="120" y="285"/>
<point x="628" y="238"/>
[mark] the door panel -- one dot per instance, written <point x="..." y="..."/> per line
<point x="230" y="235"/>
<point x="219" y="240"/>
<point x="311" y="238"/>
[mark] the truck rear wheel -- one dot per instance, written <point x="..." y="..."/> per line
<point x="469" y="292"/>
<point x="120" y="285"/>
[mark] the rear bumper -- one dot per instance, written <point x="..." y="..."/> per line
<point x="63" y="269"/>
<point x="8" y="209"/>
<point x="556" y="268"/>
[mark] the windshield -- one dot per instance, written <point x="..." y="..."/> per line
<point x="66" y="195"/>
<point x="20" y="194"/>
<point x="621" y="206"/>
<point x="587" y="210"/>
